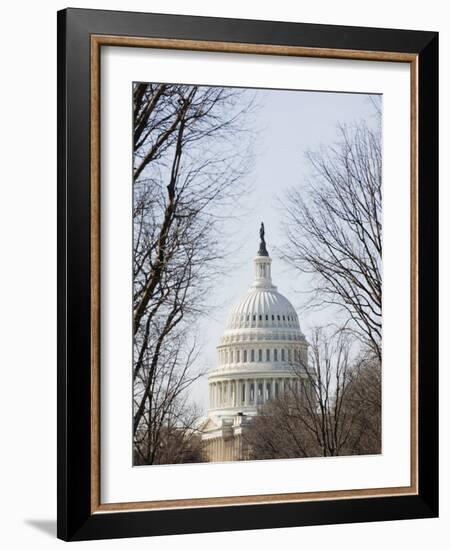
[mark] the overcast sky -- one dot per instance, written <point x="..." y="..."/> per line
<point x="289" y="124"/>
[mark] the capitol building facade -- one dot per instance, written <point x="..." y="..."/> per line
<point x="261" y="354"/>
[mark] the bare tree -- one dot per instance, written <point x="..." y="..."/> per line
<point x="176" y="440"/>
<point x="328" y="413"/>
<point x="334" y="229"/>
<point x="364" y="397"/>
<point x="191" y="149"/>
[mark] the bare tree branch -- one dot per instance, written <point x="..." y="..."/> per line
<point x="334" y="229"/>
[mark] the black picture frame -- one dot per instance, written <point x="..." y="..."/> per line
<point x="76" y="521"/>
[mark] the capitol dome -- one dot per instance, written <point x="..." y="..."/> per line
<point x="261" y="351"/>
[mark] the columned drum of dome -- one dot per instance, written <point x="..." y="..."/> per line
<point x="260" y="355"/>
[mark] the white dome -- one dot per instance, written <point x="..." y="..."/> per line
<point x="261" y="350"/>
<point x="263" y="308"/>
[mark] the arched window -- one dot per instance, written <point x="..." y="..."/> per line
<point x="283" y="355"/>
<point x="231" y="356"/>
<point x="275" y="355"/>
<point x="289" y="355"/>
<point x="267" y="317"/>
<point x="260" y="355"/>
<point x="238" y="356"/>
<point x="267" y="354"/>
<point x="245" y="356"/>
<point x="252" y="355"/>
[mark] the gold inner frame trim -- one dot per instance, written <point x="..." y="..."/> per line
<point x="97" y="41"/>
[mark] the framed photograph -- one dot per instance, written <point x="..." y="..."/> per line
<point x="248" y="298"/>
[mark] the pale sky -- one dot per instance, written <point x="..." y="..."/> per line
<point x="290" y="123"/>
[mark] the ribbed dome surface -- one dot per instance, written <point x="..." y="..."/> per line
<point x="263" y="307"/>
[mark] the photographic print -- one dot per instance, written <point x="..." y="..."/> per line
<point x="257" y="291"/>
